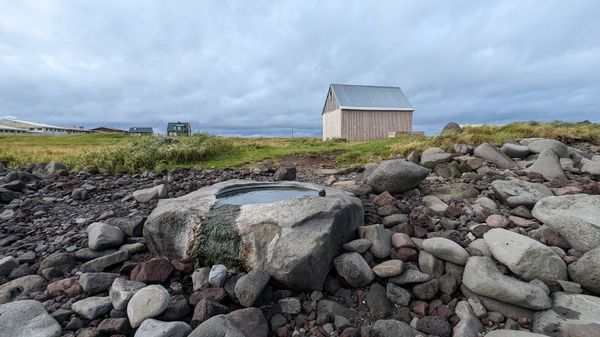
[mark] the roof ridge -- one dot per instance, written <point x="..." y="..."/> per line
<point x="366" y="85"/>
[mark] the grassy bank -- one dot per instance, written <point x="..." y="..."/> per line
<point x="122" y="153"/>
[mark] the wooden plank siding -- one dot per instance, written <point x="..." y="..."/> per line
<point x="331" y="103"/>
<point x="359" y="125"/>
<point x="332" y="124"/>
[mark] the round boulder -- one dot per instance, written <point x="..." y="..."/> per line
<point x="395" y="176"/>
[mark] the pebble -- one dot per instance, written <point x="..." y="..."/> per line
<point x="217" y="275"/>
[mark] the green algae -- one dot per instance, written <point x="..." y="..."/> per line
<point x="218" y="241"/>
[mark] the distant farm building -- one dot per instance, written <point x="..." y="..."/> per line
<point x="361" y="112"/>
<point x="40" y="128"/>
<point x="12" y="131"/>
<point x="103" y="129"/>
<point x="143" y="131"/>
<point x="179" y="129"/>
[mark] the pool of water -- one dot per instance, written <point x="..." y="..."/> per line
<point x="263" y="195"/>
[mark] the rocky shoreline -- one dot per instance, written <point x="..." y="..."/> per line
<point x="468" y="241"/>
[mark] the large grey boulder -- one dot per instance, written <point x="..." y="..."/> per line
<point x="518" y="192"/>
<point x="586" y="270"/>
<point x="433" y="156"/>
<point x="548" y="165"/>
<point x="489" y="152"/>
<point x="539" y="145"/>
<point x="483" y="278"/>
<point x="102" y="236"/>
<point x="27" y="318"/>
<point x="569" y="313"/>
<point x="526" y="257"/>
<point x="515" y="150"/>
<point x="395" y="176"/>
<point x="293" y="240"/>
<point x="155" y="328"/>
<point x="576" y="217"/>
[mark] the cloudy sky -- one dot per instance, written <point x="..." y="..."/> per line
<point x="263" y="67"/>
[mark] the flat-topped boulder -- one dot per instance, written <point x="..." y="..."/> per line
<point x="434" y="156"/>
<point x="517" y="192"/>
<point x="526" y="257"/>
<point x="27" y="318"/>
<point x="285" y="229"/>
<point x="570" y="315"/>
<point x="483" y="278"/>
<point x="576" y="217"/>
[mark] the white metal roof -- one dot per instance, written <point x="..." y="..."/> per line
<point x="4" y="127"/>
<point x="33" y="124"/>
<point x="369" y="97"/>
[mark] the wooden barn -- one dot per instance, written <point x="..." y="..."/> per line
<point x="365" y="112"/>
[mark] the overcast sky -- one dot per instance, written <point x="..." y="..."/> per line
<point x="262" y="68"/>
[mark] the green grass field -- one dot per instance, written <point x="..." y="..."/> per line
<point x="122" y="153"/>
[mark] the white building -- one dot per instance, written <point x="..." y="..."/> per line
<point x="40" y="128"/>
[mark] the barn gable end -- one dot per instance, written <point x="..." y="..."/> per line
<point x="358" y="112"/>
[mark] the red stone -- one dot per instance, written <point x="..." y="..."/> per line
<point x="185" y="267"/>
<point x="68" y="286"/>
<point x="112" y="326"/>
<point x="213" y="294"/>
<point x="155" y="270"/>
<point x="405" y="254"/>
<point x="384" y="199"/>
<point x="419" y="308"/>
<point x="206" y="309"/>
<point x="452" y="212"/>
<point x="444" y="311"/>
<point x="553" y="238"/>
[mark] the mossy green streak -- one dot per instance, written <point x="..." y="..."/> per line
<point x="218" y="242"/>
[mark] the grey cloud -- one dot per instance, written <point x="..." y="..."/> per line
<point x="262" y="68"/>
